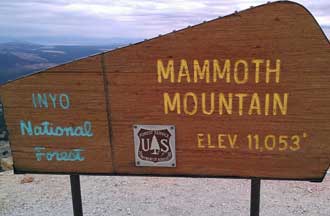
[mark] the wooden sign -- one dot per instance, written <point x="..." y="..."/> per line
<point x="248" y="95"/>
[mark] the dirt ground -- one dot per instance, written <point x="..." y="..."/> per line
<point x="105" y="195"/>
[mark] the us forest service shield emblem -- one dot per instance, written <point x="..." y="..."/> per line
<point x="154" y="145"/>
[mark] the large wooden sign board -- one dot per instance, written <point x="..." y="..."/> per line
<point x="246" y="95"/>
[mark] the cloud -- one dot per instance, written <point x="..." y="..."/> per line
<point x="121" y="18"/>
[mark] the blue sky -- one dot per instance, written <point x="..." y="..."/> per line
<point x="87" y="21"/>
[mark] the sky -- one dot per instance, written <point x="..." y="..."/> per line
<point x="100" y="21"/>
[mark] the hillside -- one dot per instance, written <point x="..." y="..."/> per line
<point x="18" y="59"/>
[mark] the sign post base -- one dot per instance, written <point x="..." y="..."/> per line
<point x="76" y="195"/>
<point x="255" y="197"/>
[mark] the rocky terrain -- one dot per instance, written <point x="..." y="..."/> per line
<point x="108" y="195"/>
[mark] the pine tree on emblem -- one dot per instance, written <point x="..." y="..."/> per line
<point x="154" y="145"/>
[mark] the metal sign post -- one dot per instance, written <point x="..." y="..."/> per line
<point x="255" y="197"/>
<point x="77" y="203"/>
<point x="76" y="195"/>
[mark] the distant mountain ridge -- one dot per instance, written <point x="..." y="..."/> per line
<point x="19" y="59"/>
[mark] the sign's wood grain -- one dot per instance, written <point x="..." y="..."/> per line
<point x="248" y="94"/>
<point x="70" y="95"/>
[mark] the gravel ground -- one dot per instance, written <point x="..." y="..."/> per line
<point x="105" y="195"/>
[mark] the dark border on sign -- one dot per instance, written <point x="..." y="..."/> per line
<point x="316" y="180"/>
<point x="4" y="118"/>
<point x="107" y="97"/>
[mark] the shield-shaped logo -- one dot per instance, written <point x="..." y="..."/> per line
<point x="154" y="145"/>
